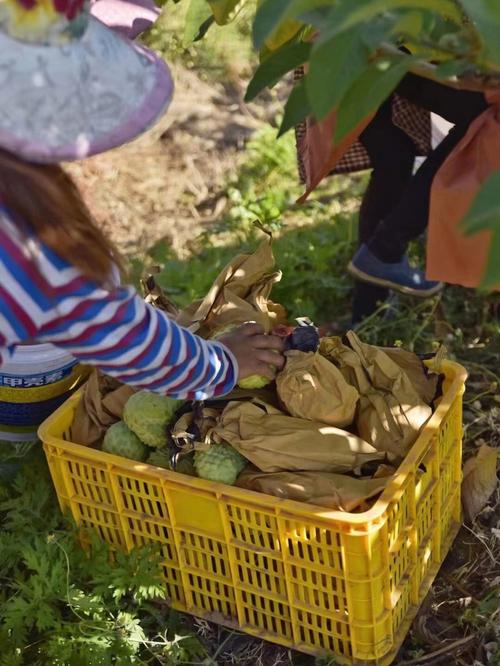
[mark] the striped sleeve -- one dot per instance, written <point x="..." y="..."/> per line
<point x="139" y="345"/>
<point x="47" y="300"/>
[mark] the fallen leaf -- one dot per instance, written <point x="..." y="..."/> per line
<point x="479" y="481"/>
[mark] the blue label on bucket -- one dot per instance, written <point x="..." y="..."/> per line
<point x="35" y="379"/>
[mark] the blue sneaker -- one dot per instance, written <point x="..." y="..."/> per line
<point x="401" y="276"/>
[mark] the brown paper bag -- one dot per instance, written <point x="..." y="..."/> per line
<point x="239" y="294"/>
<point x="157" y="296"/>
<point x="311" y="387"/>
<point x="390" y="412"/>
<point x="194" y="427"/>
<point x="276" y="442"/>
<point x="334" y="491"/>
<point x="101" y="405"/>
<point x="425" y="382"/>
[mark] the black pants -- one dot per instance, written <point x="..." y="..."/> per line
<point x="395" y="208"/>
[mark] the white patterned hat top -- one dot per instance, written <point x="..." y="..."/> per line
<point x="71" y="87"/>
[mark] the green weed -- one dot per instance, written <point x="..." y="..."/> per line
<point x="223" y="51"/>
<point x="62" y="605"/>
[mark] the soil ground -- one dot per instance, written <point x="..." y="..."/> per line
<point x="167" y="184"/>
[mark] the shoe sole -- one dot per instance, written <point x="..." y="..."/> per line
<point x="409" y="291"/>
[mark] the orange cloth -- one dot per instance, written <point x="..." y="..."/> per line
<point x="451" y="256"/>
<point x="318" y="153"/>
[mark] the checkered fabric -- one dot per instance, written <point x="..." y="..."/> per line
<point x="413" y="120"/>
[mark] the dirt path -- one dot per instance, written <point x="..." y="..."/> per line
<point x="166" y="184"/>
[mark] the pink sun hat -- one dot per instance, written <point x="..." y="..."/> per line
<point x="128" y="17"/>
<point x="73" y="87"/>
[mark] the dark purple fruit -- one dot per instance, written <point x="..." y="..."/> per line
<point x="303" y="338"/>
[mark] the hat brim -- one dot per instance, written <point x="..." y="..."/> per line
<point x="63" y="103"/>
<point x="129" y="17"/>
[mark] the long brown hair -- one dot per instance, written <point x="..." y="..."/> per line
<point x="46" y="199"/>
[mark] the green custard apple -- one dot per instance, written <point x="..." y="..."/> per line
<point x="220" y="463"/>
<point x="147" y="414"/>
<point x="121" y="441"/>
<point x="254" y="382"/>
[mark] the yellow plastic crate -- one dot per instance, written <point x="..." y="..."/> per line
<point x="308" y="578"/>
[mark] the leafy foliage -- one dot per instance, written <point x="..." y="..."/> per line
<point x="484" y="215"/>
<point x="61" y="604"/>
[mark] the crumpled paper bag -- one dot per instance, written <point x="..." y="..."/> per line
<point x="390" y="412"/>
<point x="239" y="294"/>
<point x="155" y="295"/>
<point x="425" y="381"/>
<point x="193" y="427"/>
<point x="334" y="491"/>
<point x="479" y="481"/>
<point x="274" y="441"/>
<point x="101" y="405"/>
<point x="311" y="387"/>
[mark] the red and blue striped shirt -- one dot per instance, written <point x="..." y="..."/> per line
<point x="45" y="299"/>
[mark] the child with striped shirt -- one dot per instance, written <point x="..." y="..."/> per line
<point x="73" y="88"/>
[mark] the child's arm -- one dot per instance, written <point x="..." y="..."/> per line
<point x="140" y="345"/>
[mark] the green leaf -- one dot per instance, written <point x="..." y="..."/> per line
<point x="410" y="23"/>
<point x="485" y="15"/>
<point x="484" y="213"/>
<point x="198" y="19"/>
<point x="368" y="92"/>
<point x="333" y="68"/>
<point x="451" y="68"/>
<point x="269" y="15"/>
<point x="224" y="10"/>
<point x="347" y="14"/>
<point x="272" y="13"/>
<point x="491" y="278"/>
<point x="297" y="108"/>
<point x="277" y="65"/>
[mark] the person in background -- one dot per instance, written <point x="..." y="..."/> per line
<point x="395" y="207"/>
<point x="73" y="88"/>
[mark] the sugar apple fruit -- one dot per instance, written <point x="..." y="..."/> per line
<point x="147" y="414"/>
<point x="220" y="463"/>
<point x="254" y="382"/>
<point x="161" y="458"/>
<point x="121" y="441"/>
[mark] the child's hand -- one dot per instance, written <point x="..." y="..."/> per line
<point x="256" y="352"/>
